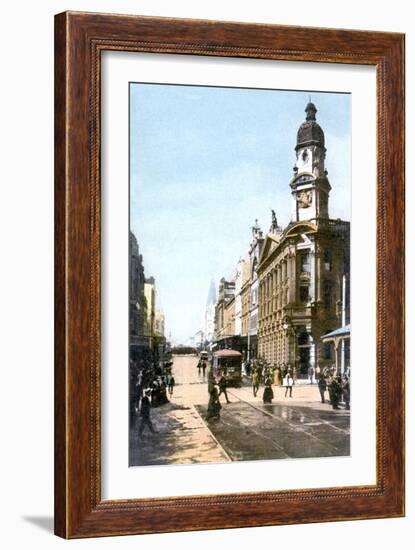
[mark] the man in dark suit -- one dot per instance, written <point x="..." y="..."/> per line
<point x="145" y="411"/>
<point x="222" y="383"/>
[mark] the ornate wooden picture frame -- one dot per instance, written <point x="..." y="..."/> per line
<point x="80" y="38"/>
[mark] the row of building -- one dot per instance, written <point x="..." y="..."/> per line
<point x="147" y="338"/>
<point x="292" y="290"/>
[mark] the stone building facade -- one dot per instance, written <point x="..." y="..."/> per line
<point x="225" y="312"/>
<point x="245" y="308"/>
<point x="149" y="323"/>
<point x="242" y="272"/>
<point x="137" y="301"/>
<point x="229" y="318"/>
<point x="303" y="271"/>
<point x="252" y="291"/>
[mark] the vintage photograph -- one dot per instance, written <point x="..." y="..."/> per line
<point x="239" y="274"/>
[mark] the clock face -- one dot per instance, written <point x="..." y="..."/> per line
<point x="304" y="199"/>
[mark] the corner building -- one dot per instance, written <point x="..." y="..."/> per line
<point x="303" y="270"/>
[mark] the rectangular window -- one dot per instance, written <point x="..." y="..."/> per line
<point x="304" y="295"/>
<point x="327" y="351"/>
<point x="328" y="260"/>
<point x="305" y="262"/>
<point x="327" y="294"/>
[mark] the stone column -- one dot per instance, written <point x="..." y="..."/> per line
<point x="313" y="356"/>
<point x="313" y="277"/>
<point x="260" y="300"/>
<point x="274" y="290"/>
<point x="293" y="278"/>
<point x="318" y="274"/>
<point x="336" y="354"/>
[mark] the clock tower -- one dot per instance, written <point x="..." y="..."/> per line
<point x="310" y="185"/>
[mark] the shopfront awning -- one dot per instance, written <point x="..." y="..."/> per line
<point x="341" y="333"/>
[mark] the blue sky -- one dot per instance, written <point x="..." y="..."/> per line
<point x="205" y="162"/>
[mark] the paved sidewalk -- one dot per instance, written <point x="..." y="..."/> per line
<point x="182" y="438"/>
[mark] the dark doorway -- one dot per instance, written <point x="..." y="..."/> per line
<point x="303" y="353"/>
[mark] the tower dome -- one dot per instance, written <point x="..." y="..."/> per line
<point x="310" y="133"/>
<point x="133" y="245"/>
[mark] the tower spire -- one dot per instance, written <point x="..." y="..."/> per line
<point x="211" y="299"/>
<point x="311" y="111"/>
<point x="310" y="186"/>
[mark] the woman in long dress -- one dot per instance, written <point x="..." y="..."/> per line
<point x="214" y="406"/>
<point x="277" y="376"/>
<point x="268" y="393"/>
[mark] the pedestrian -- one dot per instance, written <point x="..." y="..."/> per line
<point x="322" y="386"/>
<point x="311" y="374"/>
<point x="163" y="393"/>
<point x="214" y="406"/>
<point x="145" y="411"/>
<point x="210" y="379"/>
<point x="222" y="383"/>
<point x="158" y="393"/>
<point x="171" y="384"/>
<point x="268" y="395"/>
<point x="139" y="389"/>
<point x="335" y="390"/>
<point x="199" y="367"/>
<point x="248" y="369"/>
<point x="204" y="368"/>
<point x="261" y="373"/>
<point x="346" y="391"/>
<point x="255" y="382"/>
<point x="288" y="383"/>
<point x="277" y="376"/>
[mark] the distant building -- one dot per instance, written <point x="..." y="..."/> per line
<point x="255" y="250"/>
<point x="229" y="319"/>
<point x="236" y="311"/>
<point x="150" y="295"/>
<point x="303" y="271"/>
<point x="245" y="304"/>
<point x="159" y="343"/>
<point x="210" y="314"/>
<point x="242" y="275"/>
<point x="159" y="324"/>
<point x="224" y="310"/>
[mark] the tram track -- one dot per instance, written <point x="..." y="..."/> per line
<point x="294" y="427"/>
<point x="292" y="407"/>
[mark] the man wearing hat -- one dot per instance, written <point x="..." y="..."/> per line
<point x="145" y="413"/>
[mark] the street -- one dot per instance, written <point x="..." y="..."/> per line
<point x="297" y="427"/>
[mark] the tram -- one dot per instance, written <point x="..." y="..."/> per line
<point x="203" y="356"/>
<point x="228" y="361"/>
